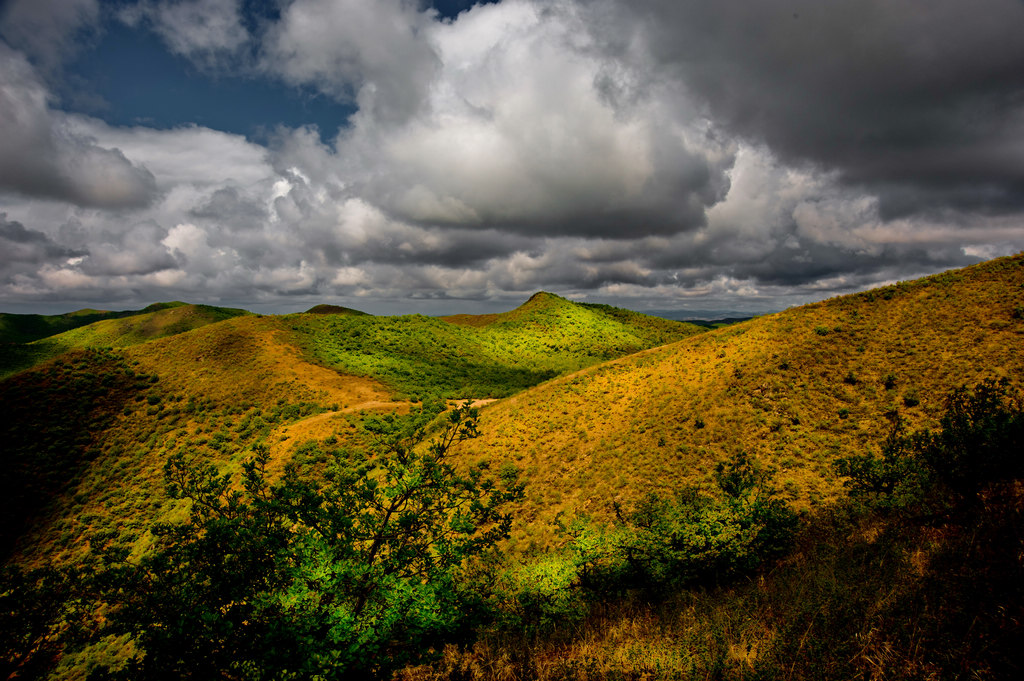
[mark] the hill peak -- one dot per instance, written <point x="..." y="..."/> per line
<point x="333" y="309"/>
<point x="540" y="296"/>
<point x="542" y="299"/>
<point x="156" y="307"/>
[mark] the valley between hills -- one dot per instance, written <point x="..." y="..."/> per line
<point x="593" y="408"/>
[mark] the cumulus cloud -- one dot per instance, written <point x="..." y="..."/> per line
<point x="519" y="132"/>
<point x="41" y="155"/>
<point x="650" y="154"/>
<point x="375" y="53"/>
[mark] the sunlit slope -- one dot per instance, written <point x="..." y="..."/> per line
<point x="127" y="328"/>
<point x="250" y="359"/>
<point x="25" y="328"/>
<point x="482" y="356"/>
<point x="796" y="389"/>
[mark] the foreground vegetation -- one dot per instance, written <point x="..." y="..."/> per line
<point x="916" y="575"/>
<point x="389" y="560"/>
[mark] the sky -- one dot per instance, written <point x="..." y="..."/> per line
<point x="398" y="156"/>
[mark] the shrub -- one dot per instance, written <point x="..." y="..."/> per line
<point x="980" y="439"/>
<point x="352" y="576"/>
<point x="694" y="537"/>
<point x="979" y="442"/>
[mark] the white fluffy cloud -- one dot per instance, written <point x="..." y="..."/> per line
<point x="374" y="52"/>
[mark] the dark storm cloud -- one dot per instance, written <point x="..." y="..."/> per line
<point x="449" y="248"/>
<point x="23" y="251"/>
<point x="23" y="245"/>
<point x="41" y="156"/>
<point x="46" y="29"/>
<point x="892" y="93"/>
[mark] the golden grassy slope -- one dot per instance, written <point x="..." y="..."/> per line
<point x="250" y="359"/>
<point x="213" y="392"/>
<point x="797" y="389"/>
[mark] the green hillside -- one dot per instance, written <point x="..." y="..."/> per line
<point x="486" y="356"/>
<point x="236" y="379"/>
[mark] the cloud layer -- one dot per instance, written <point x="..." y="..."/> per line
<point x="652" y="154"/>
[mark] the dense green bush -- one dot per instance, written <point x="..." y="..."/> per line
<point x="692" y="538"/>
<point x="355" y="574"/>
<point x="697" y="538"/>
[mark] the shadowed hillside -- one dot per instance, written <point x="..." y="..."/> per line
<point x="796" y="389"/>
<point x="212" y="393"/>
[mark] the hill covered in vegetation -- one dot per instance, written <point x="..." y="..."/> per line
<point x="277" y="429"/>
<point x="218" y="380"/>
<point x="795" y="390"/>
<point x="482" y="356"/>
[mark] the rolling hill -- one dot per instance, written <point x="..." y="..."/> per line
<point x="25" y="328"/>
<point x="115" y="329"/>
<point x="482" y="356"/>
<point x="234" y="379"/>
<point x="795" y="389"/>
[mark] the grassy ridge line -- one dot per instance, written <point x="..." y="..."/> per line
<point x="124" y="329"/>
<point x="796" y="389"/>
<point x="482" y="356"/>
